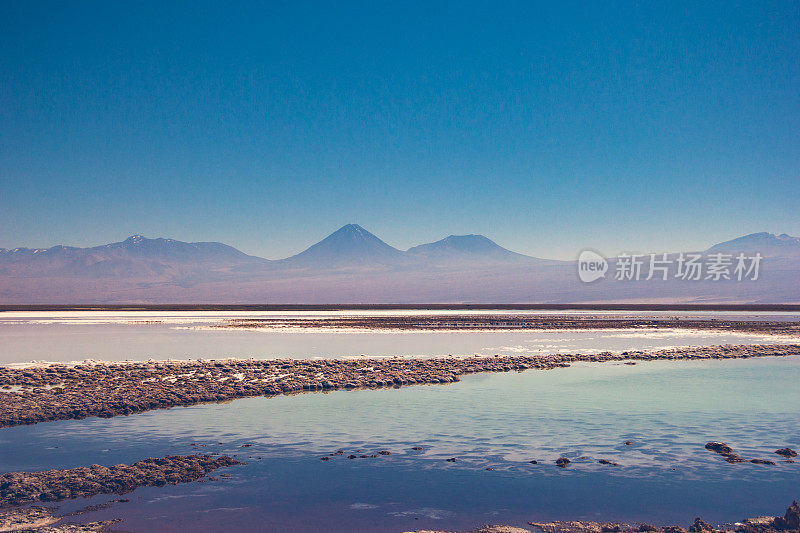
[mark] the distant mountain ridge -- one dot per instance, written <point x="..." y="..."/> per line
<point x="143" y="247"/>
<point x="134" y="257"/>
<point x="352" y="265"/>
<point x="349" y="247"/>
<point x="768" y="244"/>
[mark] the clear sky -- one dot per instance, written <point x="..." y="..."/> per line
<point x="547" y="127"/>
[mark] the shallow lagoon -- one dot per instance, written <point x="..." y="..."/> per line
<point x="669" y="409"/>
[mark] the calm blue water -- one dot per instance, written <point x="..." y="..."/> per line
<point x="668" y="409"/>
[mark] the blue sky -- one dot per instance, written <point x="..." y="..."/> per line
<point x="547" y="127"/>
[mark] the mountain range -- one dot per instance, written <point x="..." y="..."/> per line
<point x="354" y="266"/>
<point x="769" y="245"/>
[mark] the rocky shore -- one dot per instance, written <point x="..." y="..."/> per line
<point x="44" y="520"/>
<point x="789" y="522"/>
<point x="19" y="488"/>
<point x="520" y="322"/>
<point x="482" y="529"/>
<point x="727" y="453"/>
<point x="59" y="391"/>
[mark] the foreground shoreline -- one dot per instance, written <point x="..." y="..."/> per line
<point x="19" y="488"/>
<point x="58" y="391"/>
<point x="789" y="522"/>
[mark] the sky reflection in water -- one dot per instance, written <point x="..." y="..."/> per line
<point x="667" y="409"/>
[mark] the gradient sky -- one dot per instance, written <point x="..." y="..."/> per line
<point x="549" y="128"/>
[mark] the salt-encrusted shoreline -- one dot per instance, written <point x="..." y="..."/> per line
<point x="19" y="488"/>
<point x="44" y="520"/>
<point x="788" y="523"/>
<point x="58" y="391"/>
<point x="510" y="323"/>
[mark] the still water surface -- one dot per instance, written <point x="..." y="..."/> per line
<point x="668" y="409"/>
